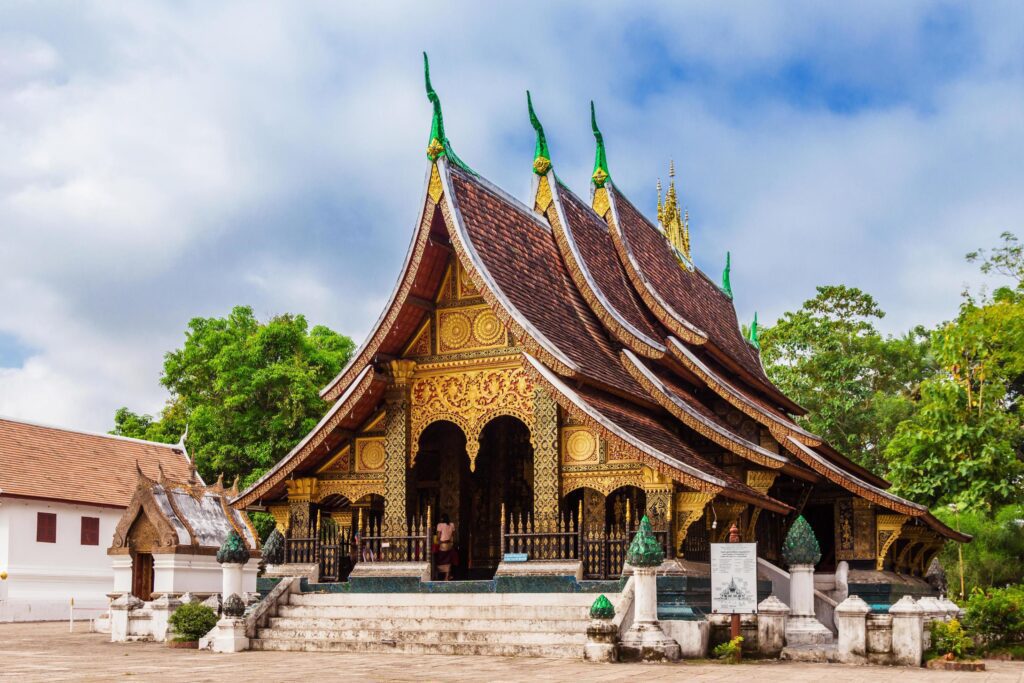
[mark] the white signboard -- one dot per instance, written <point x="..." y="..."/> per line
<point x="733" y="578"/>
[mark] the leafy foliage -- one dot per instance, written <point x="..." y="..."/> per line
<point x="192" y="621"/>
<point x="950" y="640"/>
<point x="997" y="615"/>
<point x="856" y="384"/>
<point x="729" y="651"/>
<point x="995" y="556"/>
<point x="247" y="390"/>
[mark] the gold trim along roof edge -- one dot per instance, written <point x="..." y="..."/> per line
<point x="687" y="415"/>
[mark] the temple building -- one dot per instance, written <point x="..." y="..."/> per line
<point x="544" y="373"/>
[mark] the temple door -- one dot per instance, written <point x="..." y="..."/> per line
<point x="142" y="576"/>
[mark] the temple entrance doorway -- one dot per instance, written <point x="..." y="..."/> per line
<point x="441" y="478"/>
<point x="142" y="576"/>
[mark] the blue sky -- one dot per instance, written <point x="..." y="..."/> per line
<point x="160" y="161"/>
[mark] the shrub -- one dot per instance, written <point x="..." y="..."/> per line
<point x="729" y="651"/>
<point x="995" y="556"/>
<point x="997" y="615"/>
<point x="192" y="621"/>
<point x="950" y="640"/>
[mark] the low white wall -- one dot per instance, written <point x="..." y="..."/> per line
<point x="44" y="577"/>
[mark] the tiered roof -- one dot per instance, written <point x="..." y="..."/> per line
<point x="622" y="331"/>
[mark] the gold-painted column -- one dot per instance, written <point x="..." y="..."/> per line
<point x="658" y="490"/>
<point x="689" y="507"/>
<point x="301" y="493"/>
<point x="396" y="445"/>
<point x="544" y="439"/>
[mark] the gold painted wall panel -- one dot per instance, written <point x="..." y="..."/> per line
<point x="371" y="454"/>
<point x="580" y="446"/>
<point x="471" y="328"/>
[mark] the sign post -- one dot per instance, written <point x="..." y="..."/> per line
<point x="734" y="579"/>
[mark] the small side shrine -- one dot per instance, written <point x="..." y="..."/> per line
<point x="164" y="552"/>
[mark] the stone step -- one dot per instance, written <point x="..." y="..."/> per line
<point x="427" y="623"/>
<point x="439" y="636"/>
<point x="554" y="650"/>
<point x="504" y="612"/>
<point x="447" y="599"/>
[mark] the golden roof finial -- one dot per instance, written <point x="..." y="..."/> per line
<point x="676" y="227"/>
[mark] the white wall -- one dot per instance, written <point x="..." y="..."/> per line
<point x="43" y="577"/>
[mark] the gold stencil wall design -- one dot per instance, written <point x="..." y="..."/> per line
<point x="471" y="399"/>
<point x="544" y="438"/>
<point x="396" y="441"/>
<point x="371" y="454"/>
<point x="580" y="446"/>
<point x="471" y="328"/>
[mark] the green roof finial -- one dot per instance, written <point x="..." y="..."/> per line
<point x="645" y="551"/>
<point x="726" y="282"/>
<point x="438" y="142"/>
<point x="601" y="173"/>
<point x="233" y="550"/>
<point x="753" y="333"/>
<point x="801" y="546"/>
<point x="541" y="155"/>
<point x="602" y="608"/>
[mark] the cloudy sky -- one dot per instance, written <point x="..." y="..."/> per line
<point x="165" y="161"/>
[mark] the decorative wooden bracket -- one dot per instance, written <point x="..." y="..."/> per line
<point x="888" y="529"/>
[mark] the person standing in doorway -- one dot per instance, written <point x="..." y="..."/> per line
<point x="445" y="547"/>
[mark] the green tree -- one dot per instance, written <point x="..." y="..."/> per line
<point x="856" y="384"/>
<point x="964" y="442"/>
<point x="995" y="556"/>
<point x="249" y="391"/>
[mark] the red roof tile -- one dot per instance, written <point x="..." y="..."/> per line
<point x="50" y="462"/>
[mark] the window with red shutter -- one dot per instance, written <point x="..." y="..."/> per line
<point x="46" y="527"/>
<point x="90" y="530"/>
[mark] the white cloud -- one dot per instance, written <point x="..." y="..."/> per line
<point x="162" y="161"/>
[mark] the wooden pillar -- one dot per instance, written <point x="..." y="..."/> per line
<point x="689" y="507"/>
<point x="544" y="439"/>
<point x="301" y="493"/>
<point x="396" y="445"/>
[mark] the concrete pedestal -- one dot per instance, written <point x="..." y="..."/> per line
<point x="851" y="621"/>
<point x="907" y="636"/>
<point x="802" y="628"/>
<point x="772" y="615"/>
<point x="229" y="636"/>
<point x="645" y="641"/>
<point x="231" y="580"/>
<point x="602" y="641"/>
<point x="162" y="609"/>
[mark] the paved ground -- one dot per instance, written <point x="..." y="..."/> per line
<point x="47" y="652"/>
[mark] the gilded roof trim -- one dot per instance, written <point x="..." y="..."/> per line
<point x="676" y="323"/>
<point x="353" y="394"/>
<point x="387" y="318"/>
<point x="686" y="414"/>
<point x="526" y="335"/>
<point x="605" y="311"/>
<point x="635" y="448"/>
<point x="738" y="400"/>
<point x="853" y="484"/>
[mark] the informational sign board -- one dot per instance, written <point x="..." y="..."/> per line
<point x="733" y="578"/>
<point x="515" y="557"/>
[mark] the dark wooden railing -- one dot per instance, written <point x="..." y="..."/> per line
<point x="602" y="552"/>
<point x="408" y="543"/>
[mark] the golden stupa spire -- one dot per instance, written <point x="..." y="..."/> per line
<point x="675" y="224"/>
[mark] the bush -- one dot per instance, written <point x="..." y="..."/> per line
<point x="997" y="615"/>
<point x="729" y="651"/>
<point x="950" y="640"/>
<point x="995" y="556"/>
<point x="192" y="621"/>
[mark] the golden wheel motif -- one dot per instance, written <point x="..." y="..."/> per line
<point x="455" y="330"/>
<point x="488" y="329"/>
<point x="373" y="455"/>
<point x="580" y="446"/>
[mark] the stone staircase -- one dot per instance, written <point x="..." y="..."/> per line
<point x="501" y="624"/>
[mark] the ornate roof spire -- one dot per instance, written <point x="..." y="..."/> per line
<point x="726" y="282"/>
<point x="601" y="173"/>
<point x="675" y="224"/>
<point x="541" y="155"/>
<point x="753" y="334"/>
<point x="438" y="144"/>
